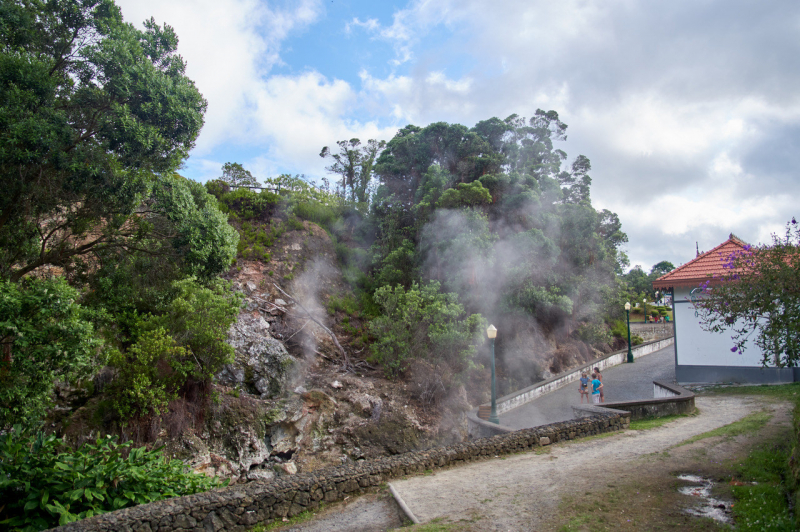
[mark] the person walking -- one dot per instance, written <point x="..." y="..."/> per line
<point x="597" y="388"/>
<point x="583" y="388"/>
<point x="599" y="377"/>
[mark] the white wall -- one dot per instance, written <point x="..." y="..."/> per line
<point x="696" y="347"/>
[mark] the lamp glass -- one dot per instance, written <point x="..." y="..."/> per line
<point x="627" y="306"/>
<point x="491" y="331"/>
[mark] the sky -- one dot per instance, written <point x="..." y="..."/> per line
<point x="689" y="110"/>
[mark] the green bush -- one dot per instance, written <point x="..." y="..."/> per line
<point x="148" y="375"/>
<point x="50" y="336"/>
<point x="246" y="204"/>
<point x="422" y="323"/>
<point x="347" y="303"/>
<point x="44" y="483"/>
<point x="199" y="318"/>
<point x="619" y="329"/>
<point x="322" y="215"/>
<point x="594" y="334"/>
<point x="636" y="339"/>
<point x="294" y="224"/>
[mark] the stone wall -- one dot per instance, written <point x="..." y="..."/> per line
<point x="242" y="506"/>
<point x="670" y="400"/>
<point x="653" y="331"/>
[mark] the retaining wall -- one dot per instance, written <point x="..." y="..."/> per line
<point x="669" y="400"/>
<point x="526" y="395"/>
<point x="240" y="507"/>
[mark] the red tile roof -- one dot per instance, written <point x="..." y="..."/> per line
<point x="702" y="267"/>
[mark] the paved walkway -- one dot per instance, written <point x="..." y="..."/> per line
<point x="626" y="382"/>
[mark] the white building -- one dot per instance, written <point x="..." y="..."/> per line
<point x="702" y="356"/>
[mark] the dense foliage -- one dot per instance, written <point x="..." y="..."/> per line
<point x="498" y="216"/>
<point x="44" y="483"/>
<point x="44" y="335"/>
<point x="423" y="323"/>
<point x="758" y="298"/>
<point x="90" y="109"/>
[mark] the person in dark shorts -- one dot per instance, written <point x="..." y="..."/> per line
<point x="583" y="387"/>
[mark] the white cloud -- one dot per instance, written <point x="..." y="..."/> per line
<point x="229" y="45"/>
<point x="682" y="107"/>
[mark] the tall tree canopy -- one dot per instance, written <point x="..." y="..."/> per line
<point x="354" y="163"/>
<point x="91" y="109"/>
<point x="235" y="175"/>
<point x="497" y="214"/>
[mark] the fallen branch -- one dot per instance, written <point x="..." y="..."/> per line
<point x="345" y="360"/>
<point x="298" y="330"/>
<point x="278" y="307"/>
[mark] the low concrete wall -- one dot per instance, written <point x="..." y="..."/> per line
<point x="526" y="395"/>
<point x="669" y="400"/>
<point x="240" y="507"/>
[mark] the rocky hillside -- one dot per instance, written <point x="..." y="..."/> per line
<point x="302" y="393"/>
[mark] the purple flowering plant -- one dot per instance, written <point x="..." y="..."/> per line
<point x="757" y="298"/>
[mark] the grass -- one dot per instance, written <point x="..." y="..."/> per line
<point x="762" y="500"/>
<point x="786" y="392"/>
<point x="655" y="422"/>
<point x="291" y="521"/>
<point x="748" y="424"/>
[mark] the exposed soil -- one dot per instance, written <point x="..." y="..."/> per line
<point x="622" y="481"/>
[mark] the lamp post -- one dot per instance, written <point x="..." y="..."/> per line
<point x="628" y="316"/>
<point x="644" y="301"/>
<point x="491" y="332"/>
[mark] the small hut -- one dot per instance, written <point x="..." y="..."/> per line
<point x="702" y="356"/>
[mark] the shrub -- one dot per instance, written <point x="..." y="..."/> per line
<point x="422" y="323"/>
<point x="322" y="215"/>
<point x="594" y="334"/>
<point x="148" y="375"/>
<point x="619" y="329"/>
<point x="248" y="205"/>
<point x="44" y="483"/>
<point x="346" y="303"/>
<point x="44" y="335"/>
<point x="199" y="318"/>
<point x="294" y="224"/>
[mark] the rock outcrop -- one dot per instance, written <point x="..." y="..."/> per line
<point x="261" y="366"/>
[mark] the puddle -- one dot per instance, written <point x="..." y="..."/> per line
<point x="706" y="505"/>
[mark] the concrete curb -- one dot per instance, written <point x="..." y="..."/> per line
<point x="402" y="504"/>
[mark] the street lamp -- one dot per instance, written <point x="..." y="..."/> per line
<point x="628" y="316"/>
<point x="644" y="300"/>
<point x="491" y="332"/>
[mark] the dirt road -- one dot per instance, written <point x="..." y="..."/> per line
<point x="633" y="471"/>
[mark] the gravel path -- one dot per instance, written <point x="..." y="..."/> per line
<point x="521" y="491"/>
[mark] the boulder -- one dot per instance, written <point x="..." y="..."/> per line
<point x="261" y="363"/>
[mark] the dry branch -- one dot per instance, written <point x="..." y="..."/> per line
<point x="345" y="359"/>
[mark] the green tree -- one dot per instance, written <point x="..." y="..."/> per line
<point x="354" y="163"/>
<point x="423" y="323"/>
<point x="149" y="375"/>
<point x="198" y="318"/>
<point x="91" y="109"/>
<point x="758" y="298"/>
<point x="44" y="335"/>
<point x="235" y="175"/>
<point x="662" y="268"/>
